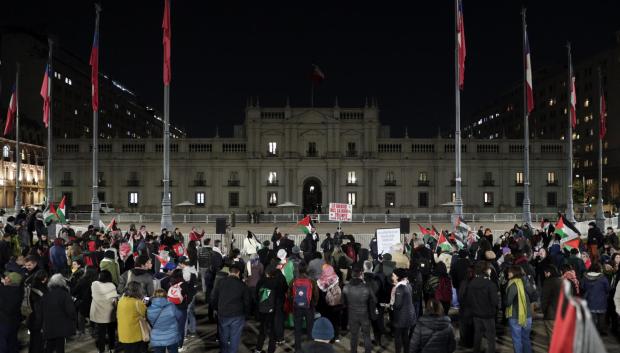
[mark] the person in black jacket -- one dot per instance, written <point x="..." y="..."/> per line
<point x="458" y="268"/>
<point x="232" y="301"/>
<point x="265" y="254"/>
<point x="276" y="288"/>
<point x="11" y="295"/>
<point x="34" y="322"/>
<point x="404" y="315"/>
<point x="83" y="297"/>
<point x="482" y="299"/>
<point x="595" y="241"/>
<point x="357" y="298"/>
<point x="58" y="314"/>
<point x="433" y="332"/>
<point x="549" y="299"/>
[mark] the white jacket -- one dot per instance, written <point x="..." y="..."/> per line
<point x="102" y="305"/>
<point x="249" y="246"/>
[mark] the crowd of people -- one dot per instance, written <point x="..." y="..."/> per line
<point x="136" y="290"/>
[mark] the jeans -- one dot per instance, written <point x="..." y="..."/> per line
<point x="181" y="321"/>
<point x="299" y="315"/>
<point x="191" y="317"/>
<point x="230" y="333"/>
<point x="173" y="348"/>
<point x="266" y="327"/>
<point x="486" y="326"/>
<point x="8" y="338"/>
<point x="521" y="335"/>
<point x="355" y="323"/>
<point x="102" y="331"/>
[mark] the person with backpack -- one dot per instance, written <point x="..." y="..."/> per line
<point x="205" y="253"/>
<point x="231" y="299"/>
<point x="10" y="296"/>
<point x="304" y="296"/>
<point x="268" y="298"/>
<point x="34" y="289"/>
<point x="104" y="298"/>
<point x="358" y="298"/>
<point x="439" y="286"/>
<point x="433" y="332"/>
<point x="327" y="245"/>
<point x="330" y="298"/>
<point x="161" y="314"/>
<point x="58" y="313"/>
<point x="141" y="273"/>
<point x="404" y="315"/>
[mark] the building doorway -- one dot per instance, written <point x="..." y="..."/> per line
<point x="312" y="196"/>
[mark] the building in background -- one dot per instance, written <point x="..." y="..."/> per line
<point x="122" y="114"/>
<point x="503" y="116"/>
<point x="32" y="174"/>
<point x="311" y="157"/>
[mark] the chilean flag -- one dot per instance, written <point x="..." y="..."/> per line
<point x="45" y="94"/>
<point x="460" y="30"/>
<point x="603" y="122"/>
<point x="317" y="75"/>
<point x="528" y="76"/>
<point x="94" y="63"/>
<point x="573" y="99"/>
<point x="167" y="43"/>
<point x="10" y="115"/>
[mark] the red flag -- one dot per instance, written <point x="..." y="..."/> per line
<point x="167" y="43"/>
<point x="10" y="115"/>
<point x="528" y="76"/>
<point x="573" y="99"/>
<point x="317" y="75"/>
<point x="460" y="30"/>
<point x="45" y="94"/>
<point x="603" y="122"/>
<point x="423" y="230"/>
<point x="94" y="63"/>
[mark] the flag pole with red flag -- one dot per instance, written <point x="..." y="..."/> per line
<point x="572" y="122"/>
<point x="46" y="94"/>
<point x="459" y="75"/>
<point x="94" y="81"/>
<point x="166" y="203"/>
<point x="317" y="77"/>
<point x="600" y="215"/>
<point x="528" y="106"/>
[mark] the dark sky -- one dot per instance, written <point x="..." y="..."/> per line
<point x="400" y="52"/>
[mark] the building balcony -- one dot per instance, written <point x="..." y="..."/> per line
<point x="351" y="154"/>
<point x="390" y="183"/>
<point x="273" y="183"/>
<point x="234" y="183"/>
<point x="518" y="183"/>
<point x="312" y="154"/>
<point x="133" y="182"/>
<point x="552" y="183"/>
<point x="423" y="183"/>
<point x="66" y="182"/>
<point x="200" y="182"/>
<point x="351" y="183"/>
<point x="161" y="183"/>
<point x="488" y="182"/>
<point x="271" y="154"/>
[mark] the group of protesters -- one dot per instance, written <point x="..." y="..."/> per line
<point x="136" y="291"/>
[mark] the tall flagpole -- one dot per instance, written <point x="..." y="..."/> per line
<point x="94" y="213"/>
<point x="570" y="212"/>
<point x="18" y="156"/>
<point x="458" y="202"/>
<point x="49" y="185"/>
<point x="166" y="203"/>
<point x="600" y="215"/>
<point x="527" y="215"/>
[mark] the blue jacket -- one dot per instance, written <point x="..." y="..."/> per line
<point x="58" y="258"/>
<point x="162" y="316"/>
<point x="595" y="288"/>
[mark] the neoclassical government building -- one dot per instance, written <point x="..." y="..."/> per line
<point x="313" y="156"/>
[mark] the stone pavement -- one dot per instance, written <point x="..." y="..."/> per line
<point x="205" y="339"/>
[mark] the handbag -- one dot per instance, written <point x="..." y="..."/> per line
<point x="145" y="327"/>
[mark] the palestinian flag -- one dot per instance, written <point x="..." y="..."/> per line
<point x="461" y="225"/>
<point x="305" y="224"/>
<point x="443" y="243"/>
<point x="50" y="215"/>
<point x="288" y="270"/>
<point x="568" y="233"/>
<point x="61" y="211"/>
<point x="423" y="230"/>
<point x="112" y="225"/>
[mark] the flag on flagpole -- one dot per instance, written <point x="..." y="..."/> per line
<point x="167" y="41"/>
<point x="12" y="111"/>
<point x="45" y="94"/>
<point x="573" y="98"/>
<point x="317" y="75"/>
<point x="50" y="215"/>
<point x="443" y="243"/>
<point x="305" y="224"/>
<point x="61" y="211"/>
<point x="460" y="29"/>
<point x="94" y="63"/>
<point x="603" y="121"/>
<point x="528" y="76"/>
<point x="461" y="225"/>
<point x="569" y="235"/>
<point x="423" y="230"/>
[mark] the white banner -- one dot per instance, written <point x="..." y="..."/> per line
<point x="386" y="238"/>
<point x="341" y="212"/>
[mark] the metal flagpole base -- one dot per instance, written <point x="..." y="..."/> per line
<point x="600" y="217"/>
<point x="166" y="214"/>
<point x="94" y="211"/>
<point x="527" y="213"/>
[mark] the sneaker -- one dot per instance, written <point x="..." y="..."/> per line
<point x="181" y="349"/>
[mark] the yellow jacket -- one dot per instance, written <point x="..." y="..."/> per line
<point x="127" y="313"/>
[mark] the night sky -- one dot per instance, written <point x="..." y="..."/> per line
<point x="399" y="52"/>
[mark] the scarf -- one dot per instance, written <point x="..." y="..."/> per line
<point x="328" y="278"/>
<point x="571" y="276"/>
<point x="393" y="294"/>
<point x="521" y="301"/>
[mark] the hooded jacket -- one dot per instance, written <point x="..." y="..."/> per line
<point x="433" y="334"/>
<point x="356" y="295"/>
<point x="59" y="313"/>
<point x="161" y="314"/>
<point x="144" y="277"/>
<point x="481" y="297"/>
<point x="595" y="289"/>
<point x="102" y="305"/>
<point x="112" y="267"/>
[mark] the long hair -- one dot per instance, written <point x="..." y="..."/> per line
<point x="134" y="290"/>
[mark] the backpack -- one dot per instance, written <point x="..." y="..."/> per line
<point x="443" y="293"/>
<point x="175" y="294"/>
<point x="333" y="296"/>
<point x="302" y="293"/>
<point x="266" y="301"/>
<point x="423" y="264"/>
<point x="26" y="308"/>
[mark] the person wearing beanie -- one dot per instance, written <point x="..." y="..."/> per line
<point x="109" y="264"/>
<point x="11" y="296"/>
<point x="322" y="333"/>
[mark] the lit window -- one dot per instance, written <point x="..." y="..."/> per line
<point x="273" y="198"/>
<point x="75" y="112"/>
<point x="352" y="198"/>
<point x="200" y="199"/>
<point x="273" y="178"/>
<point x="589" y="182"/>
<point x="5" y="152"/>
<point x="272" y="148"/>
<point x="453" y="197"/>
<point x="351" y="178"/>
<point x="586" y="103"/>
<point x="390" y="199"/>
<point x="605" y="160"/>
<point x="551" y="180"/>
<point x="423" y="176"/>
<point x="133" y="199"/>
<point x="488" y="198"/>
<point x="519" y="178"/>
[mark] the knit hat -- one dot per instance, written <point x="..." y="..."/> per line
<point x="296" y="249"/>
<point x="16" y="278"/>
<point x="322" y="329"/>
<point x="281" y="254"/>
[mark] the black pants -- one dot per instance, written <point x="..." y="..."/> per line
<point x="333" y="315"/>
<point x="36" y="342"/>
<point x="55" y="345"/>
<point x="378" y="326"/>
<point x="279" y="322"/>
<point x="137" y="347"/>
<point x="487" y="327"/>
<point x="299" y="315"/>
<point x="355" y="323"/>
<point x="267" y="326"/>
<point x="8" y="337"/>
<point x="401" y="339"/>
<point x="104" y="330"/>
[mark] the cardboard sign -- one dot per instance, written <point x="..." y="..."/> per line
<point x="341" y="212"/>
<point x="386" y="238"/>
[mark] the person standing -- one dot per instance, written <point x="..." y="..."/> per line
<point x="482" y="299"/>
<point x="358" y="298"/>
<point x="595" y="287"/>
<point x="130" y="311"/>
<point x="232" y="302"/>
<point x="549" y="299"/>
<point x="267" y="292"/>
<point x="110" y="264"/>
<point x="37" y="283"/>
<point x="404" y="315"/>
<point x="595" y="241"/>
<point x="305" y="296"/>
<point x="104" y="297"/>
<point x="162" y="317"/>
<point x="518" y="310"/>
<point x="433" y="331"/>
<point x="10" y="317"/>
<point x="322" y="334"/>
<point x="59" y="314"/>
